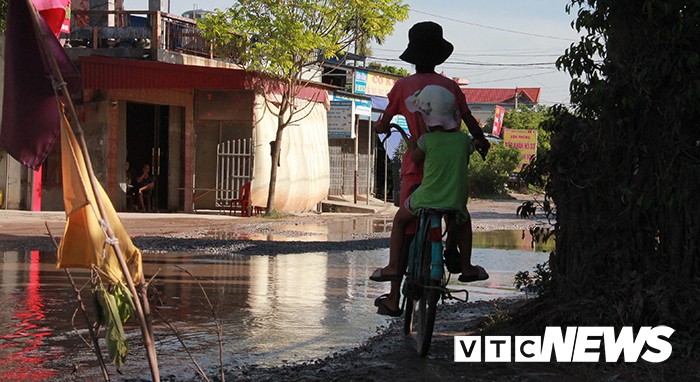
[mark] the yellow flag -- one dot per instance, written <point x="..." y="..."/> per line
<point x="84" y="241"/>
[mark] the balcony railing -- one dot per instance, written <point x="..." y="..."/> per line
<point x="149" y="30"/>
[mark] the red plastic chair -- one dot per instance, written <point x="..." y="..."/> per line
<point x="243" y="200"/>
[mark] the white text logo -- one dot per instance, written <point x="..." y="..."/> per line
<point x="575" y="344"/>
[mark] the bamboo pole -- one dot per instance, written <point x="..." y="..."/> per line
<point x="78" y="131"/>
<point x="93" y="335"/>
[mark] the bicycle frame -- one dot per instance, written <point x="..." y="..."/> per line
<point x="425" y="283"/>
<point x="429" y="228"/>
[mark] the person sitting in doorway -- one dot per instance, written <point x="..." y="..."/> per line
<point x="141" y="187"/>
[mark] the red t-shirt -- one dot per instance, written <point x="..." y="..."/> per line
<point x="407" y="86"/>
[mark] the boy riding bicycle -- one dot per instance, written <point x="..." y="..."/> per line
<point x="426" y="49"/>
<point x="444" y="152"/>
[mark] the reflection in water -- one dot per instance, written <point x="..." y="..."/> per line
<point x="336" y="230"/>
<point x="21" y="332"/>
<point x="347" y="229"/>
<point x="273" y="309"/>
<point x="521" y="240"/>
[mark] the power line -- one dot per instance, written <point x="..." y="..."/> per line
<point x="515" y="55"/>
<point x="473" y="63"/>
<point x="490" y="27"/>
<point x="512" y="78"/>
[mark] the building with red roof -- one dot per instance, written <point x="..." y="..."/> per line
<point x="483" y="101"/>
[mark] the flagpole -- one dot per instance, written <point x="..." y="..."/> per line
<point x="78" y="131"/>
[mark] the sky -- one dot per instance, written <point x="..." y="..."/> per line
<point x="498" y="43"/>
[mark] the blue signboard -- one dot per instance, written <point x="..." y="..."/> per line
<point x="360" y="82"/>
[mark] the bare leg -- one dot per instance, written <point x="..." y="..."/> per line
<point x="464" y="241"/>
<point x="397" y="255"/>
<point x="394" y="297"/>
<point x="143" y="207"/>
<point x="398" y="235"/>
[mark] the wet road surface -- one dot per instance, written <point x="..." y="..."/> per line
<point x="273" y="309"/>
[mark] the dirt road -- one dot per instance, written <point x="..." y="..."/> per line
<point x="384" y="357"/>
<point x="21" y="226"/>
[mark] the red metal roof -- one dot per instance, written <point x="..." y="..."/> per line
<point x="100" y="72"/>
<point x="115" y="73"/>
<point x="490" y="95"/>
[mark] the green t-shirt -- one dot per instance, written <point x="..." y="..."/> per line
<point x="445" y="181"/>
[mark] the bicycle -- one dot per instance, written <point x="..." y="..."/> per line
<point x="425" y="282"/>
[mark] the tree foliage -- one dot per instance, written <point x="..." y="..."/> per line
<point x="3" y="14"/>
<point x="287" y="40"/>
<point x="525" y="118"/>
<point x="489" y="177"/>
<point x="388" y="69"/>
<point x="624" y="168"/>
<point x="284" y="39"/>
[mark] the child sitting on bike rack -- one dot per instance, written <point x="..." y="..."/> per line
<point x="426" y="49"/>
<point x="444" y="152"/>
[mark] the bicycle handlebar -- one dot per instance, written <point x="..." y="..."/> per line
<point x="397" y="128"/>
<point x="406" y="138"/>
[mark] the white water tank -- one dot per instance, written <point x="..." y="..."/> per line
<point x="195" y="14"/>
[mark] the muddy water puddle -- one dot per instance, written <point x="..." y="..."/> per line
<point x="273" y="309"/>
<point x="336" y="230"/>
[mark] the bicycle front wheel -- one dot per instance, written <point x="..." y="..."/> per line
<point x="408" y="316"/>
<point x="425" y="307"/>
<point x="424" y="319"/>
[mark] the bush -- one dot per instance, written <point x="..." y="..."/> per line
<point x="489" y="177"/>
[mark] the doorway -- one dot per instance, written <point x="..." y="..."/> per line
<point x="147" y="133"/>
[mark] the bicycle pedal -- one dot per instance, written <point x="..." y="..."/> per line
<point x="448" y="294"/>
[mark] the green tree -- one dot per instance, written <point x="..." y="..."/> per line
<point x="624" y="169"/>
<point x="489" y="177"/>
<point x="288" y="40"/>
<point x="388" y="69"/>
<point x="525" y="118"/>
<point x="3" y="14"/>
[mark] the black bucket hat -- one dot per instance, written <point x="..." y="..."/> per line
<point x="426" y="46"/>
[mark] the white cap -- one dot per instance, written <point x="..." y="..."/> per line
<point x="437" y="105"/>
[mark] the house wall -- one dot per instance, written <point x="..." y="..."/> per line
<point x="103" y="121"/>
<point x="13" y="175"/>
<point x="483" y="111"/>
<point x="13" y="181"/>
<point x="342" y="163"/>
<point x="221" y="116"/>
<point x="93" y="122"/>
<point x="303" y="177"/>
<point x="181" y="144"/>
<point x="209" y="135"/>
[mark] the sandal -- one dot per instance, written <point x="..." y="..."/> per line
<point x="386" y="311"/>
<point x="481" y="275"/>
<point x="381" y="298"/>
<point x="378" y="276"/>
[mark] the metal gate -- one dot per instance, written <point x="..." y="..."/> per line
<point x="234" y="168"/>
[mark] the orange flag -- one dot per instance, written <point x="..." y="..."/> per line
<point x="84" y="242"/>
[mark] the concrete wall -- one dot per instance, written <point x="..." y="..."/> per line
<point x="103" y="120"/>
<point x="94" y="117"/>
<point x="303" y="177"/>
<point x="12" y="174"/>
<point x="180" y="142"/>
